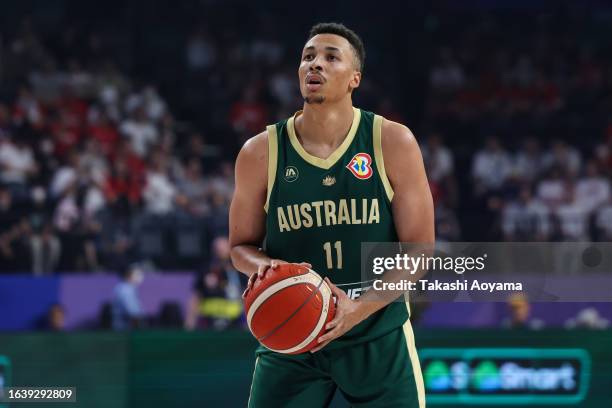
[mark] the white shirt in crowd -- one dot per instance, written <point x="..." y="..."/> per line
<point x="592" y="192"/>
<point x="67" y="213"/>
<point x="141" y="134"/>
<point x="573" y="220"/>
<point x="439" y="162"/>
<point x="200" y="53"/>
<point x="282" y="87"/>
<point x="569" y="159"/>
<point x="63" y="178"/>
<point x="159" y="193"/>
<point x="526" y="220"/>
<point x="491" y="168"/>
<point x="551" y="191"/>
<point x="447" y="76"/>
<point x="527" y="166"/>
<point x="15" y="163"/>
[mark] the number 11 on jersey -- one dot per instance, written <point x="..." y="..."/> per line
<point x="328" y="254"/>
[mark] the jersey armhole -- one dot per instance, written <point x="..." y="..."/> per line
<point x="272" y="160"/>
<point x="378" y="156"/>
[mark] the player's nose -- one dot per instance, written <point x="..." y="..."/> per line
<point x="315" y="64"/>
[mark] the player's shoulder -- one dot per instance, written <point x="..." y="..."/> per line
<point x="251" y="163"/>
<point x="256" y="147"/>
<point x="396" y="137"/>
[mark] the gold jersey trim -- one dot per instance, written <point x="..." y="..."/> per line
<point x="325" y="164"/>
<point x="378" y="156"/>
<point x="416" y="365"/>
<point x="272" y="161"/>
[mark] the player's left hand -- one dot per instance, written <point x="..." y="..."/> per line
<point x="348" y="314"/>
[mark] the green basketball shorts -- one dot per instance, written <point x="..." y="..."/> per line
<point x="383" y="372"/>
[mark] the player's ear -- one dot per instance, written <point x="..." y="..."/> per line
<point x="355" y="80"/>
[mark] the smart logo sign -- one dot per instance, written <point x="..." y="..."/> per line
<point x="505" y="376"/>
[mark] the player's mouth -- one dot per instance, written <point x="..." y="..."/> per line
<point x="314" y="82"/>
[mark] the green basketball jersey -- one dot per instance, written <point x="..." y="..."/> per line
<point x="320" y="210"/>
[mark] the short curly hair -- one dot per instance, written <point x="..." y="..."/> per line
<point x="345" y="32"/>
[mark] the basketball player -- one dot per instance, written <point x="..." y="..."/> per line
<point x="315" y="186"/>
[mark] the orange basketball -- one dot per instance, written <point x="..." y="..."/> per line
<point x="288" y="308"/>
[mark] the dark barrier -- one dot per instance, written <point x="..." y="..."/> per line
<point x="205" y="369"/>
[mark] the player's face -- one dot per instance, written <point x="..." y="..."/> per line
<point x="328" y="70"/>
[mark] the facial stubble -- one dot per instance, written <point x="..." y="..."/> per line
<point x="319" y="99"/>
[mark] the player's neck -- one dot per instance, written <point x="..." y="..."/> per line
<point x="325" y="123"/>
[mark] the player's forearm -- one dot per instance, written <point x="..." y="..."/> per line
<point x="248" y="258"/>
<point x="374" y="300"/>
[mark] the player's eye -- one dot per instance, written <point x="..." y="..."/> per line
<point x="331" y="58"/>
<point x="308" y="57"/>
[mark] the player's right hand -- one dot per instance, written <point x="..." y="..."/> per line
<point x="262" y="269"/>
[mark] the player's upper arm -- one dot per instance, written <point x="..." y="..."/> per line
<point x="247" y="215"/>
<point x="412" y="202"/>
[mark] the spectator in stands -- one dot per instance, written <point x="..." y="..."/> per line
<point x="447" y="74"/>
<point x="563" y="156"/>
<point x="216" y="300"/>
<point x="491" y="167"/>
<point x="65" y="176"/>
<point x="111" y="87"/>
<point x="200" y="51"/>
<point x="126" y="307"/>
<point x="92" y="165"/>
<point x="223" y="181"/>
<point x="102" y="130"/>
<point x="14" y="254"/>
<point x="160" y="192"/>
<point x="552" y="189"/>
<point x="528" y="163"/>
<point x="248" y="115"/>
<point x="438" y="158"/>
<point x="588" y="318"/>
<point x="46" y="250"/>
<point x="17" y="165"/>
<point x="526" y="219"/>
<point x="28" y="109"/>
<point x="197" y="147"/>
<point x="519" y="309"/>
<point x="283" y="88"/>
<point x="194" y="191"/>
<point x="45" y="244"/>
<point x="153" y="104"/>
<point x="447" y="224"/>
<point x="78" y="230"/>
<point x="5" y="121"/>
<point x="572" y="217"/>
<point x="122" y="190"/>
<point x="592" y="190"/>
<point x="56" y="318"/>
<point x="141" y="133"/>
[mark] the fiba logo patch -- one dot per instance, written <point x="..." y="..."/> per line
<point x="291" y="174"/>
<point x="361" y="166"/>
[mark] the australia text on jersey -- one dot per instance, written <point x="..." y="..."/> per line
<point x="327" y="212"/>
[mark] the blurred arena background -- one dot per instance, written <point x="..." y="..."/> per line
<point x="119" y="124"/>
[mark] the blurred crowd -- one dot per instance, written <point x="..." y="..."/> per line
<point x="549" y="192"/>
<point x="95" y="171"/>
<point x="110" y="155"/>
<point x="519" y="126"/>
